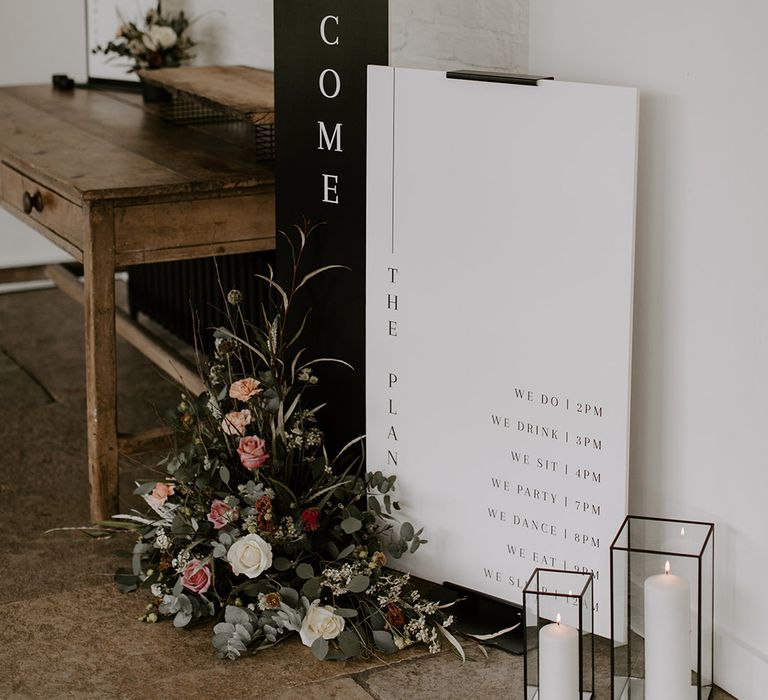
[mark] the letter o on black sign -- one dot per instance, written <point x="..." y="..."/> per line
<point x="323" y="80"/>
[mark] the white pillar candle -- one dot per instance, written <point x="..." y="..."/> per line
<point x="667" y="637"/>
<point x="558" y="662"/>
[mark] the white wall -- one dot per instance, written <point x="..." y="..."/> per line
<point x="701" y="323"/>
<point x="231" y="32"/>
<point x="37" y="39"/>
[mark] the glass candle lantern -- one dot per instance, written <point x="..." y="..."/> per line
<point x="662" y="610"/>
<point x="559" y="659"/>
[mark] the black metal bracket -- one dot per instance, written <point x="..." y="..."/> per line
<point x="487" y="77"/>
<point x="482" y="614"/>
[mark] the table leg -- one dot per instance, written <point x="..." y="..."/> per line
<point x="100" y="358"/>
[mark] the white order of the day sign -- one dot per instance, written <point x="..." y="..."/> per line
<point x="500" y="232"/>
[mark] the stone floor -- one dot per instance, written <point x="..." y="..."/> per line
<point x="66" y="633"/>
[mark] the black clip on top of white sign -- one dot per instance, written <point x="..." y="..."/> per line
<point x="487" y="77"/>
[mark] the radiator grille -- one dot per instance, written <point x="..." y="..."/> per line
<point x="186" y="295"/>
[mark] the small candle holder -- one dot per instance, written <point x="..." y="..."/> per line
<point x="559" y="659"/>
<point x="662" y="610"/>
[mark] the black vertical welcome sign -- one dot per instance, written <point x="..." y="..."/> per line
<point x="322" y="50"/>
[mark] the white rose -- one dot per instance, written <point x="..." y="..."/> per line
<point x="250" y="555"/>
<point x="320" y="621"/>
<point x="159" y="38"/>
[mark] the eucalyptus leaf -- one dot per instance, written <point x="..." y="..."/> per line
<point x="351" y="525"/>
<point x="224" y="474"/>
<point x="311" y="588"/>
<point x="359" y="583"/>
<point x="349" y="643"/>
<point x="376" y="619"/>
<point x="345" y="612"/>
<point x="336" y="655"/>
<point x="182" y="619"/>
<point x="305" y="571"/>
<point x="346" y="552"/>
<point x="320" y="648"/>
<point x="236" y="616"/>
<point x="406" y="531"/>
<point x="289" y="596"/>
<point x="384" y="641"/>
<point x="281" y="564"/>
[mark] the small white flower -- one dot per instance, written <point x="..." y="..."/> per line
<point x="162" y="541"/>
<point x="320" y="621"/>
<point x="156" y="590"/>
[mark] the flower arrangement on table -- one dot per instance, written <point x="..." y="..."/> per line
<point x="257" y="527"/>
<point x="161" y="43"/>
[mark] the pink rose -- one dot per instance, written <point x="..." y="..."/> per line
<point x="196" y="576"/>
<point x="235" y="423"/>
<point x="221" y="514"/>
<point x="244" y="389"/>
<point x="253" y="452"/>
<point x="161" y="492"/>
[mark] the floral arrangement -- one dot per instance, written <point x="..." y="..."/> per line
<point x="161" y="43"/>
<point x="255" y="526"/>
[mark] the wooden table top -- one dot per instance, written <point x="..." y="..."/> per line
<point x="92" y="144"/>
<point x="239" y="90"/>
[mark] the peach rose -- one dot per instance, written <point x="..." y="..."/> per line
<point x="161" y="492"/>
<point x="253" y="452"/>
<point x="196" y="576"/>
<point x="222" y="514"/>
<point x="235" y="423"/>
<point x="244" y="389"/>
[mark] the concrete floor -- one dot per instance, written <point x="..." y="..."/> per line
<point x="66" y="632"/>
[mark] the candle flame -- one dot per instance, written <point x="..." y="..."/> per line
<point x="570" y="592"/>
<point x="558" y="618"/>
<point x="682" y="532"/>
<point x="666" y="568"/>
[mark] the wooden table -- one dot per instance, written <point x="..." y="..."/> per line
<point x="114" y="186"/>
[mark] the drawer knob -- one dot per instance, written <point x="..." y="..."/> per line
<point x="32" y="201"/>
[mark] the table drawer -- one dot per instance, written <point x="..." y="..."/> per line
<point x="36" y="204"/>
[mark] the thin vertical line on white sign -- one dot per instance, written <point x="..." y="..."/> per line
<point x="394" y="114"/>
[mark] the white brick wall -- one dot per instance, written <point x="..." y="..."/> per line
<point x="441" y="34"/>
<point x="450" y="34"/>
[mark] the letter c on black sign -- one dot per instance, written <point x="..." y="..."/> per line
<point x="322" y="30"/>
